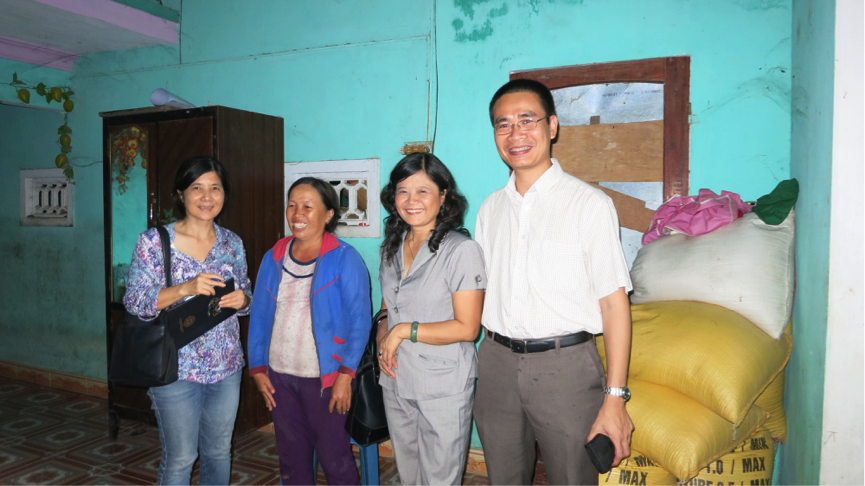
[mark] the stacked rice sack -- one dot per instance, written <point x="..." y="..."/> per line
<point x="708" y="352"/>
<point x="637" y="469"/>
<point x="750" y="463"/>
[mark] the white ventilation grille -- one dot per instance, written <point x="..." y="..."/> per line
<point x="356" y="182"/>
<point x="353" y="201"/>
<point x="46" y="198"/>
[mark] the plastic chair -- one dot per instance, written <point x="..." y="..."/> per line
<point x="368" y="464"/>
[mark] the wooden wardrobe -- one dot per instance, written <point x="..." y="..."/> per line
<point x="250" y="145"/>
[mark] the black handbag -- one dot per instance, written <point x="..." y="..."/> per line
<point x="366" y="421"/>
<point x="144" y="353"/>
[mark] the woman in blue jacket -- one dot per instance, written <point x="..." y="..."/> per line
<point x="309" y="324"/>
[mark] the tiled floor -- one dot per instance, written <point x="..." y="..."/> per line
<point x="52" y="436"/>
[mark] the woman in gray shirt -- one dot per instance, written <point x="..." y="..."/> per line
<point x="432" y="284"/>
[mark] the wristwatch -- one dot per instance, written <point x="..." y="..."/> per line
<point x="623" y="392"/>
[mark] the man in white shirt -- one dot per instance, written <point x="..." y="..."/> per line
<point x="556" y="276"/>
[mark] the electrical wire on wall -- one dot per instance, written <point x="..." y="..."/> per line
<point x="433" y="96"/>
<point x="180" y="36"/>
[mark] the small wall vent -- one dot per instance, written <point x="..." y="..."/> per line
<point x="46" y="198"/>
<point x="357" y="184"/>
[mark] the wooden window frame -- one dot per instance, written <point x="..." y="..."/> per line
<point x="672" y="72"/>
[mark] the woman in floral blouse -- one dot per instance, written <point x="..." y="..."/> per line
<point x="196" y="413"/>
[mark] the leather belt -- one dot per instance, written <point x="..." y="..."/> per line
<point x="538" y="345"/>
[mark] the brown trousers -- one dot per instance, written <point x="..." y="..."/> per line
<point x="551" y="397"/>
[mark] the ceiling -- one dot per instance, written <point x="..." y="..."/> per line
<point x="54" y="33"/>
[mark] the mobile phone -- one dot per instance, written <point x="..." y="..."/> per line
<point x="602" y="452"/>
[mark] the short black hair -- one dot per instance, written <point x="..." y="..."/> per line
<point x="328" y="197"/>
<point x="526" y="86"/>
<point x="189" y="171"/>
<point x="451" y="215"/>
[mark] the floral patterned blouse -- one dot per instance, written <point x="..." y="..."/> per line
<point x="218" y="353"/>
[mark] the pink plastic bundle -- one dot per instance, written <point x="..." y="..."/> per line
<point x="696" y="215"/>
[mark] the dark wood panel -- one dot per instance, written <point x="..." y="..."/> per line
<point x="178" y="140"/>
<point x="637" y="71"/>
<point x="255" y="211"/>
<point x="677" y="108"/>
<point x="251" y="147"/>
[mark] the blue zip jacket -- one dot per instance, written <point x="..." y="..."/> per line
<point x="339" y="302"/>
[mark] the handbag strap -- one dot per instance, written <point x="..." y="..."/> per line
<point x="371" y="344"/>
<point x="166" y="253"/>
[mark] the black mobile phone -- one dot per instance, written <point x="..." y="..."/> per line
<point x="602" y="452"/>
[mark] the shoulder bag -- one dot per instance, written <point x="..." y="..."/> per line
<point x="366" y="422"/>
<point x="143" y="353"/>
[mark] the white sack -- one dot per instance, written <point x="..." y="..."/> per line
<point x="746" y="266"/>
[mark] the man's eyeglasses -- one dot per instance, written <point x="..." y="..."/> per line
<point x="525" y="125"/>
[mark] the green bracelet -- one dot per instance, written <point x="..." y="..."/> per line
<point x="414" y="326"/>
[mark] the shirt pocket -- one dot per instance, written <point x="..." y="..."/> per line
<point x="436" y="363"/>
<point x="431" y="376"/>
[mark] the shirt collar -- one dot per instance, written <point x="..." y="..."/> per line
<point x="544" y="183"/>
<point x="423" y="254"/>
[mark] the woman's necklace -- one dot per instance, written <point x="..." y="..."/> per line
<point x="412" y="252"/>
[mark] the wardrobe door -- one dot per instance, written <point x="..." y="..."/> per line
<point x="129" y="148"/>
<point x="178" y="140"/>
<point x="250" y="145"/>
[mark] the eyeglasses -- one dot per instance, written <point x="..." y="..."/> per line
<point x="525" y="125"/>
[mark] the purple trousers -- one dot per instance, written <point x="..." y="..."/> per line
<point x="302" y="425"/>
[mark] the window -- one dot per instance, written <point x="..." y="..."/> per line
<point x="624" y="127"/>
<point x="356" y="182"/>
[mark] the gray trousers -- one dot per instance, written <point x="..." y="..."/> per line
<point x="551" y="397"/>
<point x="430" y="438"/>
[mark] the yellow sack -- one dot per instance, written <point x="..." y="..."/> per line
<point x="639" y="470"/>
<point x="753" y="462"/>
<point x="772" y="401"/>
<point x="679" y="434"/>
<point x="706" y="352"/>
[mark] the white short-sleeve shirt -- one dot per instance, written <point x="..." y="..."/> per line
<point x="550" y="255"/>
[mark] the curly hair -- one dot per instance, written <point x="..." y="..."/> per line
<point x="451" y="215"/>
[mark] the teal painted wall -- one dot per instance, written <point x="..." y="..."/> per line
<point x="344" y="93"/>
<point x="813" y="55"/>
<point x="358" y="79"/>
<point x="353" y="101"/>
<point x="740" y="76"/>
<point x="51" y="290"/>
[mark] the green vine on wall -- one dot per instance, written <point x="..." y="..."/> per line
<point x="59" y="94"/>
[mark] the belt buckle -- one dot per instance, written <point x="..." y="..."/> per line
<point x="516" y="344"/>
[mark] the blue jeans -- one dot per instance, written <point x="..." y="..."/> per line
<point x="196" y="419"/>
